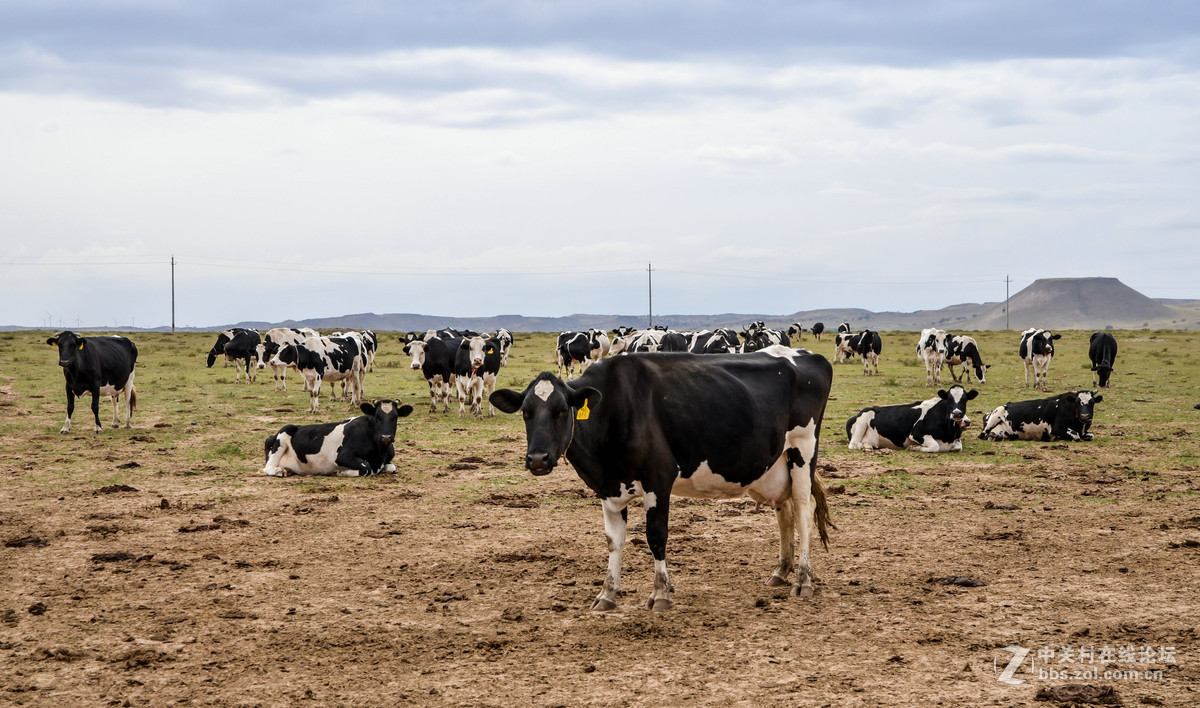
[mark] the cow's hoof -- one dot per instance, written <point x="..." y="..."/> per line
<point x="804" y="592"/>
<point x="662" y="604"/>
<point x="389" y="468"/>
<point x="776" y="582"/>
<point x="603" y="605"/>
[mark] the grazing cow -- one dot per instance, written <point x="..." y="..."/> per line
<point x="760" y="338"/>
<point x="931" y="349"/>
<point x="435" y="360"/>
<point x="1067" y="416"/>
<point x="504" y="340"/>
<point x="97" y="366"/>
<point x="360" y="446"/>
<point x="270" y="345"/>
<point x="476" y="364"/>
<point x="963" y="351"/>
<point x="719" y="341"/>
<point x="241" y="347"/>
<point x="320" y="359"/>
<point x="796" y="330"/>
<point x="1036" y="350"/>
<point x="934" y="425"/>
<point x="844" y="327"/>
<point x="572" y="347"/>
<point x="818" y="329"/>
<point x="845" y="345"/>
<point x="869" y="346"/>
<point x="711" y="427"/>
<point x="1103" y="352"/>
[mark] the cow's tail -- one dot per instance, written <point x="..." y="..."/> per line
<point x="132" y="398"/>
<point x="824" y="523"/>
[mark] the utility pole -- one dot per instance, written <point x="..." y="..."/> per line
<point x="1006" y="281"/>
<point x="172" y="294"/>
<point x="650" y="285"/>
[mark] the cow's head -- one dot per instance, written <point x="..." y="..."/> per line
<point x="416" y="349"/>
<point x="956" y="399"/>
<point x="287" y="355"/>
<point x="1083" y="403"/>
<point x="551" y="409"/>
<point x="475" y="347"/>
<point x="1043" y="343"/>
<point x="69" y="345"/>
<point x="219" y="348"/>
<point x="263" y="353"/>
<point x="385" y="412"/>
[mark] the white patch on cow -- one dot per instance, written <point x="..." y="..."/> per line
<point x="1085" y="397"/>
<point x="1034" y="431"/>
<point x="706" y="484"/>
<point x="285" y="461"/>
<point x="106" y="390"/>
<point x="387" y="407"/>
<point x="774" y="487"/>
<point x="651" y="500"/>
<point x="543" y="389"/>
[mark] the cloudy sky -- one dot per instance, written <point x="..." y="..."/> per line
<point x="307" y="159"/>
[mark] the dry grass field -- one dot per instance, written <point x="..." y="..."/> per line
<point x="158" y="566"/>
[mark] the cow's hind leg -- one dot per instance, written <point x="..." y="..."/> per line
<point x="616" y="521"/>
<point x="786" y="518"/>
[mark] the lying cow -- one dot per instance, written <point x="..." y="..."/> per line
<point x="707" y="426"/>
<point x="359" y="446"/>
<point x="1067" y="416"/>
<point x="97" y="366"/>
<point x="934" y="425"/>
<point x="1103" y="352"/>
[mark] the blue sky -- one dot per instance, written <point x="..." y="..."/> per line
<point x="308" y="159"/>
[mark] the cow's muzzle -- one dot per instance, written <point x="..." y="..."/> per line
<point x="385" y="439"/>
<point x="414" y="367"/>
<point x="63" y="363"/>
<point x="539" y="463"/>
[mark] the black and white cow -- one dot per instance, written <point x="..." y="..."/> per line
<point x="718" y="341"/>
<point x="869" y="346"/>
<point x="97" y="366"/>
<point x="435" y="360"/>
<point x="572" y="347"/>
<point x="845" y="346"/>
<point x="272" y="342"/>
<point x="476" y="364"/>
<point x="600" y="345"/>
<point x="241" y="347"/>
<point x="796" y="330"/>
<point x="934" y="425"/>
<point x="759" y="337"/>
<point x="361" y="446"/>
<point x="624" y="331"/>
<point x="818" y="329"/>
<point x="844" y="327"/>
<point x="319" y="359"/>
<point x="1067" y="416"/>
<point x="650" y="341"/>
<point x="963" y="351"/>
<point x="654" y="425"/>
<point x="931" y="349"/>
<point x="371" y="345"/>
<point x="362" y="343"/>
<point x="1036" y="350"/>
<point x="504" y="340"/>
<point x="1103" y="352"/>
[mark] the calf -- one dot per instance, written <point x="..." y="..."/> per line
<point x="320" y="359"/>
<point x="359" y="446"/>
<point x="654" y="425"/>
<point x="1036" y="350"/>
<point x="931" y="349"/>
<point x="1103" y="352"/>
<point x="435" y="360"/>
<point x="934" y="425"/>
<point x="1067" y="416"/>
<point x="97" y="366"/>
<point x="818" y="329"/>
<point x="241" y="347"/>
<point x="963" y="351"/>
<point x="272" y="342"/>
<point x="869" y="346"/>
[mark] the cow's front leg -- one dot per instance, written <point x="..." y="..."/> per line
<point x="70" y="410"/>
<point x="658" y="507"/>
<point x="354" y="465"/>
<point x="616" y="521"/>
<point x="96" y="409"/>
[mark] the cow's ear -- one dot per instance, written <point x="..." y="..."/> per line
<point x="404" y="410"/>
<point x="367" y="408"/>
<point x="584" y="400"/>
<point x="1096" y="397"/>
<point x="1057" y="336"/>
<point x="986" y="367"/>
<point x="81" y="341"/>
<point x="407" y="349"/>
<point x="943" y="395"/>
<point x="971" y="394"/>
<point x="507" y="400"/>
<point x="52" y="341"/>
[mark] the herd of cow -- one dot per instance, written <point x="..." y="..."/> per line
<point x="636" y="426"/>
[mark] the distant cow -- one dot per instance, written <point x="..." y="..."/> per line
<point x="435" y="360"/>
<point x="624" y="331"/>
<point x="718" y="341"/>
<point x="759" y="337"/>
<point x="712" y="427"/>
<point x="869" y="346"/>
<point x="598" y="341"/>
<point x="357" y="447"/>
<point x="796" y="331"/>
<point x="241" y="347"/>
<point x="272" y="342"/>
<point x="1036" y="350"/>
<point x="504" y="340"/>
<point x="476" y="364"/>
<point x="844" y="327"/>
<point x="844" y="346"/>
<point x="1067" y="416"/>
<point x="319" y="359"/>
<point x="572" y="347"/>
<point x="1103" y="353"/>
<point x="963" y="351"/>
<point x="931" y="349"/>
<point x="97" y="366"/>
<point x="934" y="425"/>
<point x="818" y="329"/>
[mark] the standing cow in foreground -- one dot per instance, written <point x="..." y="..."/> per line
<point x="934" y="425"/>
<point x="1036" y="350"/>
<point x="711" y="426"/>
<point x="1103" y="352"/>
<point x="356" y="447"/>
<point x="97" y="366"/>
<point x="1067" y="416"/>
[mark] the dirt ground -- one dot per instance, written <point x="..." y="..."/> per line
<point x="342" y="593"/>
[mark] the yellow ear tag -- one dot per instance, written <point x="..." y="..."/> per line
<point x="81" y="345"/>
<point x="583" y="413"/>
